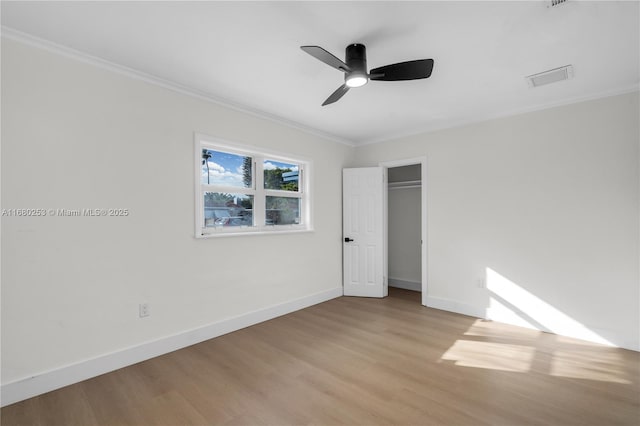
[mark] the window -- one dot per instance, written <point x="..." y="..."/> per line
<point x="242" y="190"/>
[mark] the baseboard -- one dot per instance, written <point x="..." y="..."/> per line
<point x="407" y="285"/>
<point x="455" y="306"/>
<point x="67" y="375"/>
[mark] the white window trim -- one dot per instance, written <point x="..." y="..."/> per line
<point x="202" y="141"/>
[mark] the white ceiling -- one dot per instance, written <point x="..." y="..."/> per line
<point x="247" y="54"/>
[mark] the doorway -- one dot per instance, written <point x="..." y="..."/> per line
<point x="405" y="241"/>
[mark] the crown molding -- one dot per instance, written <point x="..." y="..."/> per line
<point x="504" y="114"/>
<point x="31" y="40"/>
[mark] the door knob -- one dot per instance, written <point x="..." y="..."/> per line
<point x="346" y="239"/>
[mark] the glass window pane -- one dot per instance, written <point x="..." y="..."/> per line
<point x="223" y="168"/>
<point x="282" y="176"/>
<point x="282" y="211"/>
<point x="222" y="209"/>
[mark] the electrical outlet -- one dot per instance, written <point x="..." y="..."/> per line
<point x="143" y="310"/>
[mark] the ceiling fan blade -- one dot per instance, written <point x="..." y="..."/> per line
<point x="326" y="57"/>
<point x="336" y="95"/>
<point x="410" y="70"/>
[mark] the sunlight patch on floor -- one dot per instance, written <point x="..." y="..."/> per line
<point x="500" y="331"/>
<point x="499" y="346"/>
<point x="494" y="356"/>
<point x="605" y="366"/>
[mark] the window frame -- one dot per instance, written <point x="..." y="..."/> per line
<point x="260" y="194"/>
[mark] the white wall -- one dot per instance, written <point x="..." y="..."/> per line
<point x="404" y="235"/>
<point x="77" y="136"/>
<point x="549" y="202"/>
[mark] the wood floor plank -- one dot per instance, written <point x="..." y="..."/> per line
<point x="360" y="361"/>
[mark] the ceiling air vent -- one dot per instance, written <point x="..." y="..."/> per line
<point x="557" y="2"/>
<point x="551" y="76"/>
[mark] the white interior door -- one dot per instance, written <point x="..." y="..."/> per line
<point x="363" y="232"/>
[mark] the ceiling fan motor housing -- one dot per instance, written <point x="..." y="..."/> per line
<point x="356" y="59"/>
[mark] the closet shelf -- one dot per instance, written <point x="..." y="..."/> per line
<point x="405" y="184"/>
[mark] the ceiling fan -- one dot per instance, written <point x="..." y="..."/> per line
<point x="355" y="68"/>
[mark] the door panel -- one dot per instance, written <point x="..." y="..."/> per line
<point x="363" y="192"/>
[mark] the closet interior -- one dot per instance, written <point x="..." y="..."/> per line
<point x="404" y="227"/>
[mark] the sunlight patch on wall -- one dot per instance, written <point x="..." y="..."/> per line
<point x="513" y="304"/>
<point x="494" y="356"/>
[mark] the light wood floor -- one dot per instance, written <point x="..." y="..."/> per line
<point x="360" y="361"/>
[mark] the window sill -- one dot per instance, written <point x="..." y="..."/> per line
<point x="249" y="233"/>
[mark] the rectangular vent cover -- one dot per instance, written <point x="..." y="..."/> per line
<point x="551" y="76"/>
<point x="557" y="2"/>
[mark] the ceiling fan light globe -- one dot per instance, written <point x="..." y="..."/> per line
<point x="356" y="80"/>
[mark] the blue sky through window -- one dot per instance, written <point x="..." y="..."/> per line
<point x="271" y="165"/>
<point x="226" y="169"/>
<point x="223" y="168"/>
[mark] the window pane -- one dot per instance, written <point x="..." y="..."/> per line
<point x="222" y="209"/>
<point x="223" y="168"/>
<point x="278" y="175"/>
<point x="282" y="211"/>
